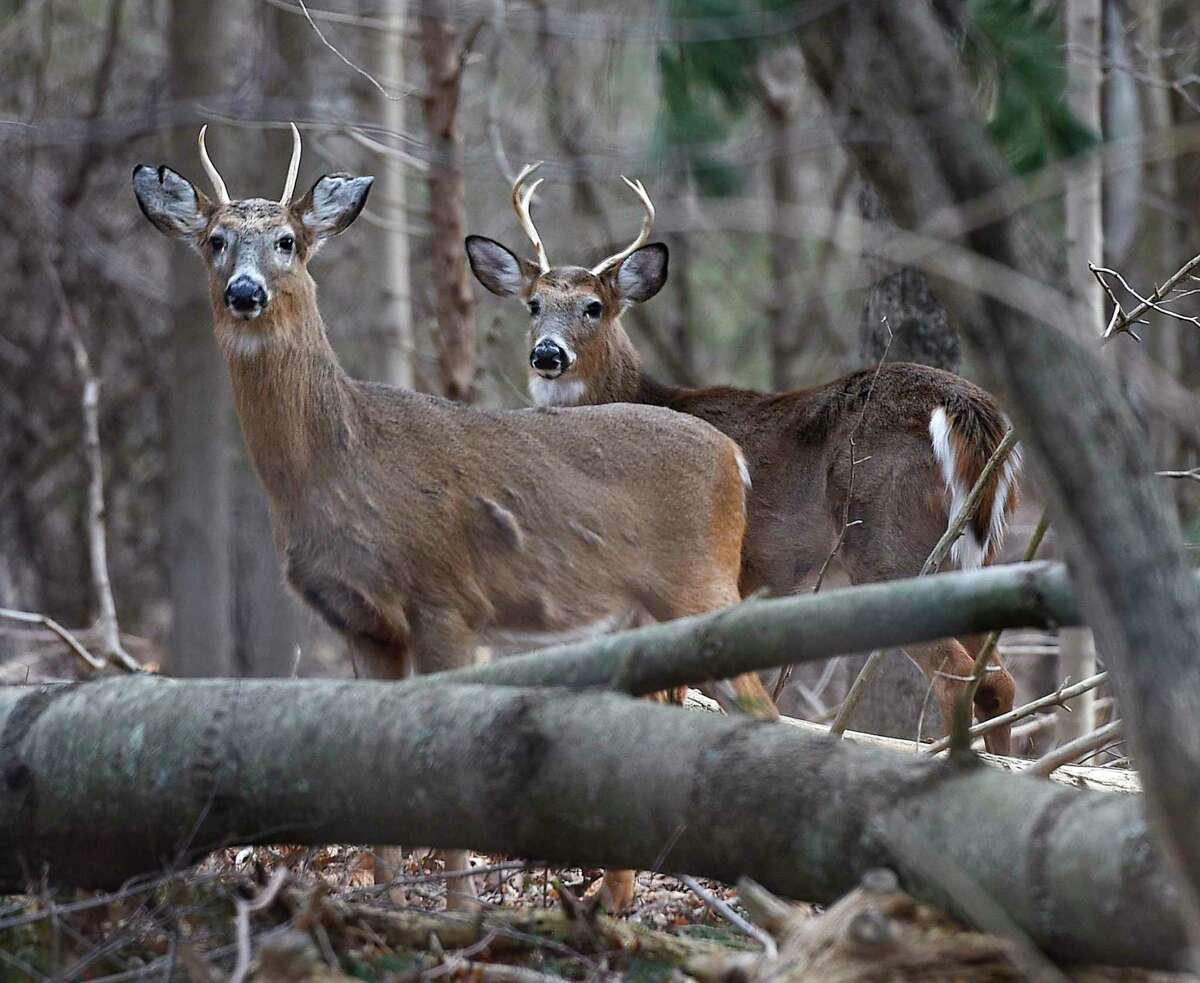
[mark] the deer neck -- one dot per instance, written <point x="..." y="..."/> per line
<point x="292" y="397"/>
<point x="612" y="371"/>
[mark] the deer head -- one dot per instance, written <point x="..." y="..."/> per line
<point x="574" y="328"/>
<point x="256" y="251"/>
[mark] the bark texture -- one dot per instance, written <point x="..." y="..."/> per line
<point x="891" y="73"/>
<point x="199" y="526"/>
<point x="589" y="778"/>
<point x="455" y="331"/>
<point x="764" y="634"/>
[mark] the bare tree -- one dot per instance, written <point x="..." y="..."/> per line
<point x="1085" y="244"/>
<point x="199" y="515"/>
<point x="443" y="53"/>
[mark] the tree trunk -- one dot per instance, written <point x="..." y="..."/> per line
<point x="219" y="762"/>
<point x="901" y="316"/>
<point x="455" y="331"/>
<point x="392" y="337"/>
<point x="780" y="82"/>
<point x="1085" y="244"/>
<point x="1162" y="237"/>
<point x="927" y="151"/>
<point x="199" y="528"/>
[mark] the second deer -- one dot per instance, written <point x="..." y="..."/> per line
<point x="925" y="438"/>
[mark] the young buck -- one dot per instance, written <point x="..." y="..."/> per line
<point x="419" y="528"/>
<point x="922" y="443"/>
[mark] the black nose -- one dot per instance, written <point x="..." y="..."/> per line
<point x="245" y="295"/>
<point x="548" y="357"/>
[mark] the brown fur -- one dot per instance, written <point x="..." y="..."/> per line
<point x="420" y="528"/>
<point x="797" y="443"/>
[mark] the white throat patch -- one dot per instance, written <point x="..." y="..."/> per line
<point x="245" y="344"/>
<point x="556" y="392"/>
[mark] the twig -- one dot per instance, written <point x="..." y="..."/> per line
<point x="964" y="515"/>
<point x="32" y="618"/>
<point x="1055" y="699"/>
<point x="960" y="726"/>
<point x="402" y="91"/>
<point x="847" y="524"/>
<point x="244" y="909"/>
<point x="1123" y="320"/>
<point x="97" y="543"/>
<point x="1073" y="750"/>
<point x="1192" y="474"/>
<point x="855" y="694"/>
<point x="737" y="921"/>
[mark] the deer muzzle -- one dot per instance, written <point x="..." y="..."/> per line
<point x="550" y="358"/>
<point x="245" y="296"/>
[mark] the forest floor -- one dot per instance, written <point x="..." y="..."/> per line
<point x="276" y="914"/>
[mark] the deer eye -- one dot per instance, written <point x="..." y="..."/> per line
<point x="593" y="308"/>
<point x="286" y="243"/>
<point x="217" y="242"/>
<point x="535" y="307"/>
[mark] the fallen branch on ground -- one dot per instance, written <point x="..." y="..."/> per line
<point x="762" y="634"/>
<point x="1056" y="699"/>
<point x="210" y="762"/>
<point x="1046" y="765"/>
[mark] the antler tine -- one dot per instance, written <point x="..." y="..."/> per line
<point x="213" y="174"/>
<point x="647" y="226"/>
<point x="521" y="207"/>
<point x="289" y="187"/>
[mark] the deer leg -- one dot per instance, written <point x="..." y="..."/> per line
<point x="441" y="641"/>
<point x="996" y="695"/>
<point x="372" y="659"/>
<point x="948" y="664"/>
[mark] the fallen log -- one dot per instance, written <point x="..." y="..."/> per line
<point x="763" y="634"/>
<point x="107" y="779"/>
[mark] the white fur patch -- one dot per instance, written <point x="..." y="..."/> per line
<point x="556" y="392"/>
<point x="998" y="522"/>
<point x="967" y="552"/>
<point x="743" y="468"/>
<point x="245" y="344"/>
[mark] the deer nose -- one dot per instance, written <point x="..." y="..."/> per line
<point x="244" y="295"/>
<point x="549" y="358"/>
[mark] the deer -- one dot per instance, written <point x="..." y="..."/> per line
<point x="925" y="436"/>
<point x="419" y="528"/>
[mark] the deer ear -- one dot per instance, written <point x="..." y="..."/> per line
<point x="332" y="204"/>
<point x="498" y="268"/>
<point x="170" y="202"/>
<point x="642" y="273"/>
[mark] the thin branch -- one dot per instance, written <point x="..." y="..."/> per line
<point x="402" y="92"/>
<point x="1074" y="750"/>
<point x="960" y="727"/>
<point x="264" y="899"/>
<point x="97" y="542"/>
<point x="1056" y="699"/>
<point x="1123" y="320"/>
<point x="32" y="618"/>
<point x="737" y="921"/>
<point x="1192" y="474"/>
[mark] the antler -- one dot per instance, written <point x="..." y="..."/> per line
<point x="289" y="187"/>
<point x="647" y="225"/>
<point x="213" y="174"/>
<point x="521" y="207"/>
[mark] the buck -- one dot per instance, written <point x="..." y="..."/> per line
<point x="923" y="442"/>
<point x="419" y="528"/>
